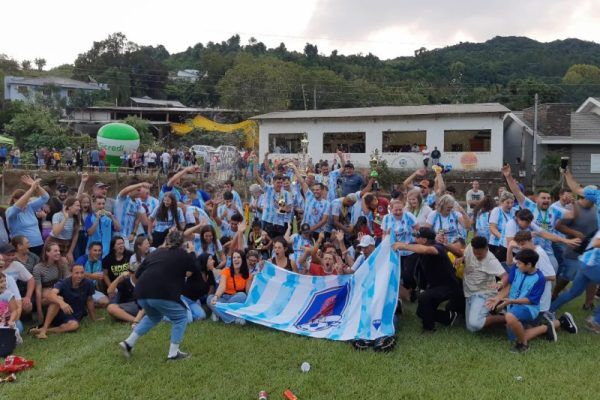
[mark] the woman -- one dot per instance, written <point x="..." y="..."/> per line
<point x="206" y="242"/>
<point x="85" y="204"/>
<point x="165" y="217"/>
<point x="160" y="283"/>
<point x="481" y="217"/>
<point x="198" y="286"/>
<point x="281" y="258"/>
<point x="449" y="220"/>
<point x="141" y="248"/>
<point x="23" y="255"/>
<point x="499" y="218"/>
<point x="299" y="241"/>
<point x="417" y="207"/>
<point x="233" y="287"/>
<point x="65" y="227"/>
<point x="21" y="215"/>
<point x="46" y="273"/>
<point x="116" y="261"/>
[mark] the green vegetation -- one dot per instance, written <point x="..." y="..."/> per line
<point x="233" y="362"/>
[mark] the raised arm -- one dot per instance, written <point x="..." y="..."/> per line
<point x="408" y="182"/>
<point x="186" y="170"/>
<point x="439" y="186"/>
<point x="22" y="202"/>
<point x="368" y="187"/>
<point x="128" y="189"/>
<point x="572" y="183"/>
<point x="512" y="184"/>
<point x="84" y="178"/>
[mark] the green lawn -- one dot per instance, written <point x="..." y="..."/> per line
<point x="234" y="362"/>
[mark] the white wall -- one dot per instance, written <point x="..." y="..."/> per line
<point x="374" y="128"/>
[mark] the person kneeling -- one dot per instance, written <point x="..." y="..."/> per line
<point x="233" y="286"/>
<point x="68" y="302"/>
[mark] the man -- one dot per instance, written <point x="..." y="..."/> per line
<point x="341" y="213"/>
<point x="165" y="159"/>
<point x="129" y="210"/>
<point x="101" y="190"/>
<point x="277" y="203"/>
<point x="366" y="247"/>
<point x="351" y="182"/>
<point x="482" y="269"/>
<point x="100" y="225"/>
<point x="68" y="156"/>
<point x="435" y="156"/>
<point x="17" y="271"/>
<point x="440" y="277"/>
<point x="69" y="301"/>
<point x="95" y="159"/>
<point x="228" y="187"/>
<point x="316" y="208"/>
<point x="92" y="265"/>
<point x="329" y="177"/>
<point x="226" y="210"/>
<point x="79" y="159"/>
<point x="474" y="196"/>
<point x="56" y="202"/>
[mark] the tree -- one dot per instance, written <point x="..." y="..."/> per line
<point x="40" y="63"/>
<point x="579" y="74"/>
<point x="26" y="65"/>
<point x="33" y="119"/>
<point x="311" y="52"/>
<point x="143" y="128"/>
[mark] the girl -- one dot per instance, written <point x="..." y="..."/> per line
<point x="65" y="227"/>
<point x="9" y="309"/>
<point x="281" y="258"/>
<point x="234" y="285"/>
<point x="481" y="217"/>
<point x="198" y="286"/>
<point x="499" y="218"/>
<point x="417" y="207"/>
<point x="141" y="248"/>
<point x="165" y="217"/>
<point x="116" y="261"/>
<point x="47" y="273"/>
<point x="85" y="205"/>
<point x="449" y="220"/>
<point x="23" y="255"/>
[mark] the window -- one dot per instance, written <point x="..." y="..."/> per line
<point x="467" y="140"/>
<point x="23" y="90"/>
<point x="285" y="143"/>
<point x="403" y="141"/>
<point x="348" y="142"/>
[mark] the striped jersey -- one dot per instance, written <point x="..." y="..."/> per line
<point x="314" y="210"/>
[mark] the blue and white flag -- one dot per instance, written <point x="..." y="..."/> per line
<point x="337" y="307"/>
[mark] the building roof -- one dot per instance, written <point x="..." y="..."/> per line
<point x="585" y="129"/>
<point x="160" y="103"/>
<point x="50" y="80"/>
<point x="159" y="109"/>
<point x="389" y="111"/>
<point x="590" y="104"/>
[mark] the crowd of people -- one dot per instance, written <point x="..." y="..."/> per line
<point x="505" y="258"/>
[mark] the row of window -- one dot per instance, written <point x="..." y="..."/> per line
<point x="24" y="90"/>
<point x="392" y="141"/>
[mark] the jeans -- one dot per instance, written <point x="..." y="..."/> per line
<point x="198" y="312"/>
<point x="155" y="310"/>
<point x="557" y="248"/>
<point x="586" y="275"/>
<point x="239" y="297"/>
<point x="570" y="268"/>
<point x="476" y="311"/>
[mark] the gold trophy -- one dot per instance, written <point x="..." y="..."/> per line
<point x="374" y="163"/>
<point x="281" y="204"/>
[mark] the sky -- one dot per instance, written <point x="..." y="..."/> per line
<point x="59" y="30"/>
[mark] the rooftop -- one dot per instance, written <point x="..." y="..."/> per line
<point x="159" y="103"/>
<point x="50" y="80"/>
<point x="585" y="128"/>
<point x="389" y="111"/>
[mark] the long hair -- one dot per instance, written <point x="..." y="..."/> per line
<point x="80" y="198"/>
<point x="76" y="218"/>
<point x="416" y="193"/>
<point x="113" y="241"/>
<point x="202" y="261"/>
<point x="283" y="242"/>
<point x="444" y="201"/>
<point x="243" y="268"/>
<point x="136" y="247"/>
<point x="485" y="205"/>
<point x="45" y="250"/>
<point x="162" y="214"/>
<point x="16" y="195"/>
<point x="203" y="230"/>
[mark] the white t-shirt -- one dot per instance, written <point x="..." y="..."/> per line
<point x="18" y="272"/>
<point x="512" y="228"/>
<point x="422" y="214"/>
<point x="165" y="157"/>
<point x="479" y="276"/>
<point x="473" y="196"/>
<point x="545" y="266"/>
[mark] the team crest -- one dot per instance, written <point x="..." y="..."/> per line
<point x="325" y="309"/>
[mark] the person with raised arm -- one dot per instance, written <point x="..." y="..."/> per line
<point x="129" y="211"/>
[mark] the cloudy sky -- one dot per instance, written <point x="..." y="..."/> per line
<point x="61" y="29"/>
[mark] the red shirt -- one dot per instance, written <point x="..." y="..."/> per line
<point x="317" y="270"/>
<point x="382" y="209"/>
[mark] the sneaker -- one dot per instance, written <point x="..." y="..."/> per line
<point x="551" y="332"/>
<point x="126" y="349"/>
<point x="587" y="307"/>
<point x="519" y="348"/>
<point x="567" y="323"/>
<point x="239" y="321"/>
<point x="179" y="356"/>
<point x="592" y="325"/>
<point x="453" y="317"/>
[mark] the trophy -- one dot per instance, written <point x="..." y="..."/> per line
<point x="564" y="162"/>
<point x="281" y="205"/>
<point x="374" y="163"/>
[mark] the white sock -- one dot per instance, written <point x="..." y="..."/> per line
<point x="173" y="349"/>
<point x="132" y="339"/>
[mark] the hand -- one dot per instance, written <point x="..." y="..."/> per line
<point x="321" y="236"/>
<point x="440" y="237"/>
<point x="242" y="226"/>
<point x="70" y="258"/>
<point x="398" y="246"/>
<point x="503" y="304"/>
<point x="339" y="236"/>
<point x="492" y="302"/>
<point x="575" y="242"/>
<point x="66" y="308"/>
<point x="506" y="171"/>
<point x="84" y="177"/>
<point x="421" y="172"/>
<point x="26" y="179"/>
<point x="513" y="244"/>
<point x="26" y="301"/>
<point x="124" y="275"/>
<point x="308" y="250"/>
<point x="213" y="301"/>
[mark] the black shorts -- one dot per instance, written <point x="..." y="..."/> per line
<point x="62" y="318"/>
<point x="131" y="307"/>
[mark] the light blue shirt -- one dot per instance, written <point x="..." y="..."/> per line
<point x="501" y="219"/>
<point x="315" y="210"/>
<point x="103" y="233"/>
<point x="400" y="229"/>
<point x="331" y="182"/>
<point x="24" y="221"/>
<point x="451" y="225"/>
<point x="482" y="225"/>
<point x="271" y="205"/>
<point x="591" y="257"/>
<point x="126" y="212"/>
<point x="163" y="226"/>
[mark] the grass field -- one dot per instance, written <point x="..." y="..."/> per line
<point x="236" y="362"/>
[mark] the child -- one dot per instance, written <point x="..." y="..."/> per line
<point x="524" y="290"/>
<point x="9" y="309"/>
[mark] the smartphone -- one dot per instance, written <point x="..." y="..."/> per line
<point x="564" y="163"/>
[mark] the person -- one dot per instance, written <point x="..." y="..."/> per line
<point x="98" y="190"/>
<point x="92" y="266"/>
<point x="440" y="277"/>
<point x="166" y="216"/>
<point x="417" y="206"/>
<point x="341" y="213"/>
<point x="277" y="202"/>
<point x="206" y="242"/>
<point x="436" y="155"/>
<point x="331" y="264"/>
<point x="351" y="181"/>
<point x="95" y="159"/>
<point x="316" y="208"/>
<point x="237" y="200"/>
<point x="56" y="202"/>
<point x="233" y="287"/>
<point x="85" y="204"/>
<point x="366" y="245"/>
<point x="100" y="225"/>
<point x="481" y="272"/>
<point x="200" y="285"/>
<point x="51" y="268"/>
<point x="299" y="241"/>
<point x="21" y="214"/>
<point x="520" y="297"/>
<point x="23" y="255"/>
<point x="500" y="216"/>
<point x="165" y="159"/>
<point x="68" y="302"/>
<point x="141" y="249"/>
<point x="160" y="283"/>
<point x="449" y="218"/>
<point x="473" y="197"/>
<point x="481" y="216"/>
<point x="16" y="160"/>
<point x="281" y="259"/>
<point x="68" y="156"/>
<point x="123" y="306"/>
<point x="9" y="308"/>
<point x="65" y="227"/>
<point x="24" y="279"/>
<point x="79" y="159"/>
<point x="129" y="211"/>
<point x="116" y="261"/>
<point x="329" y="177"/>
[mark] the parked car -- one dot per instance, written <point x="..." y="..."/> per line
<point x="203" y="150"/>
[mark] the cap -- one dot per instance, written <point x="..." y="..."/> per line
<point x="62" y="188"/>
<point x="305" y="228"/>
<point x="426" y="233"/>
<point x="254" y="188"/>
<point x="349" y="165"/>
<point x="366" y="240"/>
<point x="424" y="183"/>
<point x="101" y="185"/>
<point x="7" y="248"/>
<point x="590" y="193"/>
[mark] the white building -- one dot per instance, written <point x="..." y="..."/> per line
<point x="470" y="136"/>
<point x="26" y="88"/>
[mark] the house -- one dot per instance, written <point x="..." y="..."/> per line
<point x="573" y="134"/>
<point x="150" y="102"/>
<point x="27" y="88"/>
<point x="468" y="135"/>
<point x="189" y="75"/>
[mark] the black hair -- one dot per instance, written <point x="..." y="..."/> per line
<point x="95" y="243"/>
<point x="479" y="242"/>
<point x="237" y="217"/>
<point x="528" y="256"/>
<point x="278" y="177"/>
<point x="486" y="204"/>
<point x="162" y="213"/>
<point x="203" y="244"/>
<point x="113" y="241"/>
<point x="202" y="261"/>
<point x="228" y="182"/>
<point x="227" y="196"/>
<point x="256" y="223"/>
<point x="243" y="268"/>
<point x="525" y="215"/>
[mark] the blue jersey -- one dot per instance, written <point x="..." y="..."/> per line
<point x="315" y="210"/>
<point x="126" y="212"/>
<point x="299" y="244"/>
<point x="482" y="225"/>
<point x="400" y="229"/>
<point x="559" y="212"/>
<point x="593" y="195"/>
<point x="226" y="213"/>
<point x="530" y="286"/>
<point x="331" y="181"/>
<point x="501" y="219"/>
<point x="210" y="249"/>
<point x="103" y="232"/>
<point x="173" y="189"/>
<point x="271" y="205"/>
<point x="450" y="224"/>
<point x="591" y="256"/>
<point x="237" y="200"/>
<point x="545" y="219"/>
<point x="165" y="225"/>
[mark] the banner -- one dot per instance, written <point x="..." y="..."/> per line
<point x="250" y="128"/>
<point x="344" y="307"/>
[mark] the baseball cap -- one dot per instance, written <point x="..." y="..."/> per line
<point x="426" y="233"/>
<point x="349" y="165"/>
<point x="62" y="188"/>
<point x="7" y="248"/>
<point x="101" y="185"/>
<point x="589" y="192"/>
<point x="366" y="241"/>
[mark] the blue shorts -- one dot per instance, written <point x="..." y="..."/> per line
<point x="524" y="314"/>
<point x="62" y="318"/>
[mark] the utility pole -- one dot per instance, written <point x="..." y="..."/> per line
<point x="304" y="97"/>
<point x="535" y="133"/>
<point x="315" y="97"/>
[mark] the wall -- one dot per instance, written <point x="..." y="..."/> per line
<point x="580" y="164"/>
<point x="374" y="127"/>
<point x="519" y="143"/>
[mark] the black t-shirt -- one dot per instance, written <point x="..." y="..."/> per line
<point x="76" y="297"/>
<point x="438" y="269"/>
<point x="196" y="286"/>
<point x="114" y="267"/>
<point x="126" y="289"/>
<point x="162" y="274"/>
